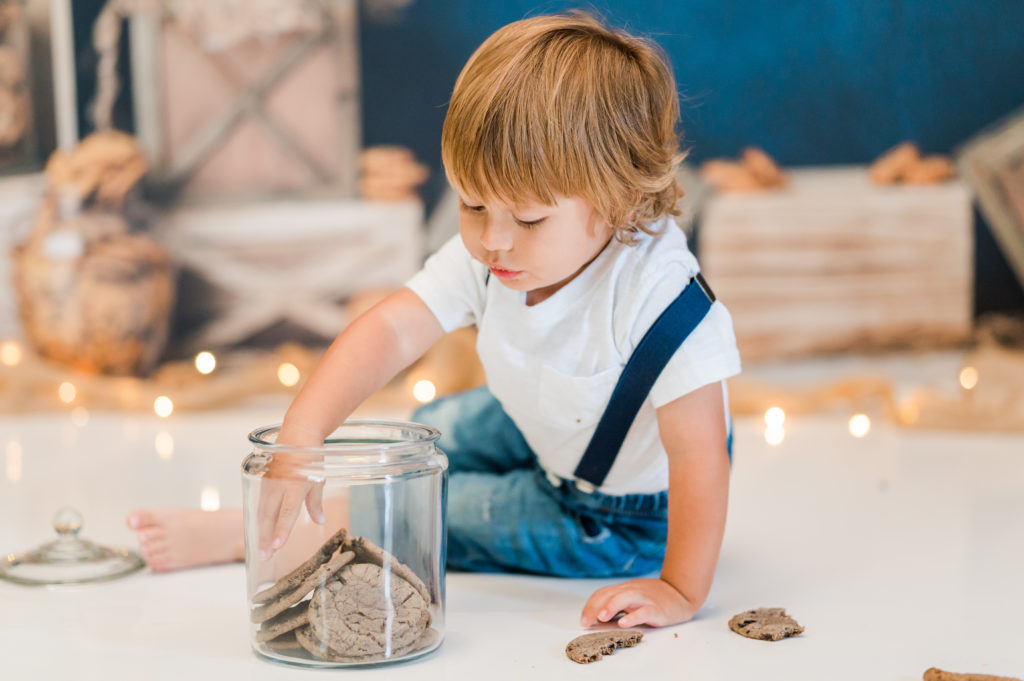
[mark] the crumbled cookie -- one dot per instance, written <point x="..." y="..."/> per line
<point x="367" y="611"/>
<point x="934" y="674"/>
<point x="284" y="622"/>
<point x="591" y="647"/>
<point x="765" y="624"/>
<point x="290" y="598"/>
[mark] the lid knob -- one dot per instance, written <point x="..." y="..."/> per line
<point x="67" y="522"/>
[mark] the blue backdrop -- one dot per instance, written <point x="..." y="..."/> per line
<point x="810" y="81"/>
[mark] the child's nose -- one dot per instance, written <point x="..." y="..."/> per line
<point x="495" y="236"/>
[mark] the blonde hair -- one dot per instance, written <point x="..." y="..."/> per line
<point x="564" y="105"/>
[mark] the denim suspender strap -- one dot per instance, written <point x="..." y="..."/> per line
<point x="641" y="371"/>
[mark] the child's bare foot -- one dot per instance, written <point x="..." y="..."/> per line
<point x="176" y="538"/>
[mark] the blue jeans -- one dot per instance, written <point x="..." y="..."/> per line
<point x="504" y="515"/>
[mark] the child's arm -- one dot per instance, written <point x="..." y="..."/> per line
<point x="363" y="358"/>
<point x="693" y="431"/>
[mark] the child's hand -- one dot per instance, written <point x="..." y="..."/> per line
<point x="283" y="489"/>
<point x="644" y="601"/>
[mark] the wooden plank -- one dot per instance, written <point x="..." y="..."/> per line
<point x="350" y="121"/>
<point x="833" y="262"/>
<point x="145" y="50"/>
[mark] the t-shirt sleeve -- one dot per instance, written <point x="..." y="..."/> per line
<point x="452" y="285"/>
<point x="708" y="355"/>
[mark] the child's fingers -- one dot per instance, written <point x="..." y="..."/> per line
<point x="595" y="604"/>
<point x="623" y="600"/>
<point x="315" y="503"/>
<point x="643" y="615"/>
<point x="291" y="504"/>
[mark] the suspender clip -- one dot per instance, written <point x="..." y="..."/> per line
<point x="584" y="486"/>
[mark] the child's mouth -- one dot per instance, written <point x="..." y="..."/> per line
<point x="502" y="273"/>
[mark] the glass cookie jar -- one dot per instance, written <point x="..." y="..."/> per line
<point x="367" y="586"/>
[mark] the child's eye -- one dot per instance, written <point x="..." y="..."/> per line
<point x="472" y="209"/>
<point x="529" y="223"/>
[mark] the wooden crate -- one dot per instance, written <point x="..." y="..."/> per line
<point x="272" y="116"/>
<point x="249" y="268"/>
<point x="834" y="263"/>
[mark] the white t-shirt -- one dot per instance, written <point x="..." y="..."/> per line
<point x="553" y="365"/>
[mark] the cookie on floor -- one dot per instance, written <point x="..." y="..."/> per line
<point x="590" y="647"/>
<point x="765" y="624"/>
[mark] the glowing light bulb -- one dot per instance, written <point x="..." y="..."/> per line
<point x="209" y="499"/>
<point x="163" y="406"/>
<point x="67" y="392"/>
<point x="860" y="425"/>
<point x="424" y="391"/>
<point x="205" y="362"/>
<point x="164" y="445"/>
<point x="288" y="374"/>
<point x="775" y="417"/>
<point x="10" y="353"/>
<point x="968" y="378"/>
<point x="80" y="416"/>
<point x="774" y="435"/>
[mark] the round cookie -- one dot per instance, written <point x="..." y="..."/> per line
<point x="765" y="624"/>
<point x="367" y="611"/>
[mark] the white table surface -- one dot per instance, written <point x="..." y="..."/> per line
<point x="899" y="551"/>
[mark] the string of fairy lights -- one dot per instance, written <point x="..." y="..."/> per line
<point x="289" y="375"/>
<point x="205" y="362"/>
<point x="859" y="425"/>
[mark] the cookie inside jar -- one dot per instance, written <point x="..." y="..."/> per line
<point x="351" y="602"/>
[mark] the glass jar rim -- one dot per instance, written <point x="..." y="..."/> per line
<point x="427" y="435"/>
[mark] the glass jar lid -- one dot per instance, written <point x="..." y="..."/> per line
<point x="69" y="559"/>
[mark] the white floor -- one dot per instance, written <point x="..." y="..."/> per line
<point x="898" y="551"/>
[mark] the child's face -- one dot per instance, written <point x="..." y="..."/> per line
<point x="533" y="247"/>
